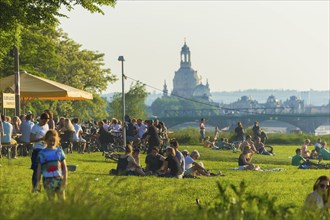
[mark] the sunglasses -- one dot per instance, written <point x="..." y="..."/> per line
<point x="323" y="186"/>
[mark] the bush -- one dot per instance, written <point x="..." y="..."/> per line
<point x="191" y="136"/>
<point x="235" y="203"/>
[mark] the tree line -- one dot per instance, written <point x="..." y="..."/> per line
<point x="46" y="50"/>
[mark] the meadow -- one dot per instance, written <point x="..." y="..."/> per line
<point x="93" y="194"/>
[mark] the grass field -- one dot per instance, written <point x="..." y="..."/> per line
<point x="93" y="194"/>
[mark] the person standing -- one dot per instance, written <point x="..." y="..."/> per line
<point x="52" y="165"/>
<point x="239" y="131"/>
<point x="38" y="133"/>
<point x="142" y="128"/>
<point x="51" y="122"/>
<point x="78" y="141"/>
<point x="256" y="130"/>
<point x="202" y="129"/>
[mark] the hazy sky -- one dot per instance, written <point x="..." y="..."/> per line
<point x="236" y="45"/>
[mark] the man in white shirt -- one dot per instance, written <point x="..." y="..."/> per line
<point x="193" y="168"/>
<point x="78" y="141"/>
<point x="25" y="128"/>
<point x="37" y="135"/>
<point x="7" y="135"/>
<point x="142" y="128"/>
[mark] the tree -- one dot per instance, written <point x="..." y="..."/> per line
<point x="163" y="106"/>
<point x="50" y="53"/>
<point x="17" y="14"/>
<point x="134" y="102"/>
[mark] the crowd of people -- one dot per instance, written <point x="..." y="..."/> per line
<point x="50" y="140"/>
<point x="173" y="163"/>
<point x="304" y="155"/>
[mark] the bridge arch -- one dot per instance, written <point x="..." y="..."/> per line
<point x="305" y="122"/>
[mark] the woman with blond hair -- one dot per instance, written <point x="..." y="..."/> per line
<point x="52" y="166"/>
<point x="304" y="149"/>
<point x="127" y="165"/>
<point x="245" y="160"/>
<point x="66" y="134"/>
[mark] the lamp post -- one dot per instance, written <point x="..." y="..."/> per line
<point x="121" y="58"/>
<point x="17" y="82"/>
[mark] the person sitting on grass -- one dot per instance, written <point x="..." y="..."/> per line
<point x="313" y="155"/>
<point x="154" y="162"/>
<point x="245" y="160"/>
<point x="260" y="147"/>
<point x="127" y="165"/>
<point x="136" y="156"/>
<point x="175" y="144"/>
<point x="304" y="149"/>
<point x="193" y="168"/>
<point x="208" y="143"/>
<point x="52" y="166"/>
<point x="185" y="153"/>
<point x="223" y="144"/>
<point x="296" y="159"/>
<point x="323" y="153"/>
<point x="250" y="143"/>
<point x="171" y="165"/>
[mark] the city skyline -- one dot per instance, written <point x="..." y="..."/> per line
<point x="234" y="45"/>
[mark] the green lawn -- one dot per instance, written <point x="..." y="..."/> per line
<point x="93" y="194"/>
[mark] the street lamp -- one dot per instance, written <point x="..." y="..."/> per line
<point x="121" y="58"/>
<point x="17" y="82"/>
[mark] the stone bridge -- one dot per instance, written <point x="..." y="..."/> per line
<point x="305" y="122"/>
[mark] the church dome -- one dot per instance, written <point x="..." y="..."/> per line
<point x="201" y="91"/>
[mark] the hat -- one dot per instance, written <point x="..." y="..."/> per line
<point x="29" y="113"/>
<point x="44" y="116"/>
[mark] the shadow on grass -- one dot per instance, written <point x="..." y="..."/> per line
<point x="92" y="161"/>
<point x="94" y="174"/>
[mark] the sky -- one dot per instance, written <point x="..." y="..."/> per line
<point x="235" y="45"/>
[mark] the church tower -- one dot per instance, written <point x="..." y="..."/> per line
<point x="185" y="56"/>
<point x="165" y="91"/>
<point x="185" y="79"/>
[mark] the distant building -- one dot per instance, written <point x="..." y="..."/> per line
<point x="294" y="105"/>
<point x="306" y="96"/>
<point x="245" y="104"/>
<point x="187" y="83"/>
<point x="273" y="105"/>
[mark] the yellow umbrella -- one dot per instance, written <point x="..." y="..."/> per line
<point x="34" y="87"/>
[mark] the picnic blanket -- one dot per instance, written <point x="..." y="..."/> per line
<point x="311" y="165"/>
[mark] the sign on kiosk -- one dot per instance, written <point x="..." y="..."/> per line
<point x="8" y="100"/>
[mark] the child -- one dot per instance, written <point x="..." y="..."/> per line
<point x="52" y="165"/>
<point x="296" y="159"/>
